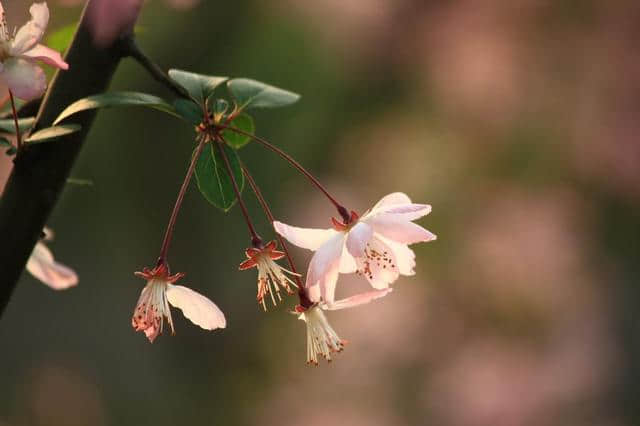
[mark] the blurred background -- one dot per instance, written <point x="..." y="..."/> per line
<point x="518" y="121"/>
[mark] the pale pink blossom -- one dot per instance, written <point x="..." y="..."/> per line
<point x="375" y="245"/>
<point x="20" y="51"/>
<point x="322" y="340"/>
<point x="43" y="266"/>
<point x="160" y="291"/>
<point x="271" y="276"/>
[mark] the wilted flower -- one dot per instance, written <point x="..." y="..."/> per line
<point x="19" y="52"/>
<point x="160" y="291"/>
<point x="271" y="276"/>
<point x="375" y="245"/>
<point x="43" y="266"/>
<point x="322" y="340"/>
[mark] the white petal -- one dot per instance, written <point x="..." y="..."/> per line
<point x="407" y="211"/>
<point x="405" y="257"/>
<point x="323" y="268"/>
<point x="326" y="256"/>
<point x="357" y="238"/>
<point x="195" y="307"/>
<point x="392" y="199"/>
<point x="379" y="264"/>
<point x="314" y="294"/>
<point x="42" y="265"/>
<point x="398" y="229"/>
<point x="358" y="299"/>
<point x="328" y="284"/>
<point x="25" y="79"/>
<point x="48" y="56"/>
<point x="387" y="202"/>
<point x="347" y="263"/>
<point x="307" y="238"/>
<point x="30" y="33"/>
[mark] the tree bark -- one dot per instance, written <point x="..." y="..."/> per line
<point x="40" y="171"/>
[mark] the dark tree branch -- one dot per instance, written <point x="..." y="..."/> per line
<point x="153" y="69"/>
<point x="41" y="170"/>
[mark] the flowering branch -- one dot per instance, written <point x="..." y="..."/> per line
<point x="41" y="170"/>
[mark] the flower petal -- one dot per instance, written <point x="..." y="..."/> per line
<point x="42" y="265"/>
<point x="398" y="203"/>
<point x="195" y="307"/>
<point x="396" y="228"/>
<point x="357" y="238"/>
<point x="308" y="238"/>
<point x="249" y="263"/>
<point x="30" y="33"/>
<point x="49" y="56"/>
<point x="378" y="265"/>
<point x="329" y="282"/>
<point x="392" y="199"/>
<point x="407" y="211"/>
<point x="405" y="257"/>
<point x="314" y="294"/>
<point x="324" y="265"/>
<point x="25" y="79"/>
<point x="358" y="299"/>
<point x="347" y="263"/>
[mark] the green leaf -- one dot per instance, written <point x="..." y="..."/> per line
<point x="212" y="177"/>
<point x="199" y="86"/>
<point x="4" y="142"/>
<point x="116" y="99"/>
<point x="8" y="125"/>
<point x="242" y="122"/>
<point x="61" y="39"/>
<point x="254" y="94"/>
<point x="188" y="110"/>
<point x="11" y="151"/>
<point x="50" y="133"/>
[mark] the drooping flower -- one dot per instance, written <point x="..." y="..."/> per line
<point x="19" y="52"/>
<point x="271" y="276"/>
<point x="160" y="291"/>
<point x="322" y="340"/>
<point x="375" y="245"/>
<point x="43" y="266"/>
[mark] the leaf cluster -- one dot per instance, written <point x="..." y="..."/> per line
<point x="207" y="107"/>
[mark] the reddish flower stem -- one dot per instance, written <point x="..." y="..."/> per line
<point x="164" y="250"/>
<point x="341" y="210"/>
<point x="255" y="238"/>
<point x="15" y="120"/>
<point x="304" y="299"/>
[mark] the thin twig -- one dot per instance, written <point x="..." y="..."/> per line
<point x="15" y="120"/>
<point x="269" y="214"/>
<point x="255" y="238"/>
<point x="168" y="235"/>
<point x="133" y="50"/>
<point x="341" y="210"/>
